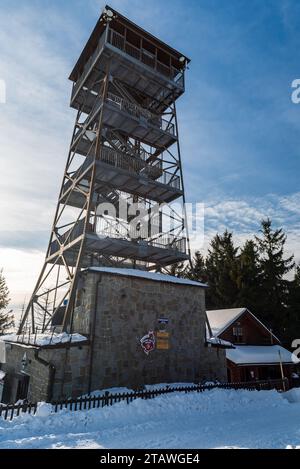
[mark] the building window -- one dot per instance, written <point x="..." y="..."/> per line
<point x="237" y="332"/>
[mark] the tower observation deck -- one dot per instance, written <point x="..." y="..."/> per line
<point x="121" y="201"/>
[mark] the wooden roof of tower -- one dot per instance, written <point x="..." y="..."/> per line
<point x="118" y="19"/>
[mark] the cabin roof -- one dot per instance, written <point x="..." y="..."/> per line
<point x="221" y="319"/>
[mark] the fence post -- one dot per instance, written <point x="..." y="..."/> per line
<point x="106" y="398"/>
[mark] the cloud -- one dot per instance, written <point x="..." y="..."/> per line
<point x="35" y="122"/>
<point x="24" y="240"/>
<point x="243" y="217"/>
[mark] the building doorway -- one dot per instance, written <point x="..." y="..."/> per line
<point x="22" y="387"/>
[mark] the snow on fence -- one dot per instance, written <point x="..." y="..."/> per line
<point x="10" y="411"/>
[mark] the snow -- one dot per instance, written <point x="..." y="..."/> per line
<point x="220" y="319"/>
<point x="212" y="419"/>
<point x="147" y="275"/>
<point x="262" y="354"/>
<point x="264" y="419"/>
<point x="43" y="410"/>
<point x="44" y="339"/>
<point x="293" y="395"/>
<point x="213" y="340"/>
<point x="218" y="341"/>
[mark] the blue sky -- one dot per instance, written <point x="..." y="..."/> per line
<point x="239" y="129"/>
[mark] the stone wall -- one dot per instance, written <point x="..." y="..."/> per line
<point x="54" y="373"/>
<point x="126" y="309"/>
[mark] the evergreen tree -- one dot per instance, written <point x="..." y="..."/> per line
<point x="198" y="272"/>
<point x="249" y="277"/>
<point x="292" y="326"/>
<point x="6" y="318"/>
<point x="274" y="265"/>
<point x="221" y="269"/>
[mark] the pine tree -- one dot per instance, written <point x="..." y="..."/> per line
<point x="274" y="266"/>
<point x="292" y="326"/>
<point x="6" y="318"/>
<point x="198" y="272"/>
<point x="221" y="269"/>
<point x="249" y="277"/>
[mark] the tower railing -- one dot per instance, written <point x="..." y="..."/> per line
<point x="114" y="229"/>
<point x="139" y="111"/>
<point x="119" y="41"/>
<point x="129" y="108"/>
<point x="120" y="160"/>
<point x="140" y="54"/>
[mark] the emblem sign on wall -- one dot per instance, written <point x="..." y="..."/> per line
<point x="158" y="340"/>
<point x="148" y="342"/>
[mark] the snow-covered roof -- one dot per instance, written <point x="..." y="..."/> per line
<point x="216" y="341"/>
<point x="219" y="342"/>
<point x="258" y="354"/>
<point x="220" y="319"/>
<point x="146" y="275"/>
<point x="41" y="340"/>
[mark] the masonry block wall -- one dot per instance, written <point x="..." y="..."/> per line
<point x="54" y="373"/>
<point x="117" y="311"/>
<point x="114" y="312"/>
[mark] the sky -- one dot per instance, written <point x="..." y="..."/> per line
<point x="239" y="129"/>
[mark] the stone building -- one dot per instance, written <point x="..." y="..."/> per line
<point x="130" y="328"/>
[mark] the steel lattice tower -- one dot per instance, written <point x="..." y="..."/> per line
<point x="121" y="201"/>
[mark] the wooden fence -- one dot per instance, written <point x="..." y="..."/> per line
<point x="10" y="411"/>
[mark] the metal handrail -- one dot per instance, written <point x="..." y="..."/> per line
<point x="129" y="107"/>
<point x="112" y="228"/>
<point x="138" y="111"/>
<point x="124" y="161"/>
<point x="117" y="40"/>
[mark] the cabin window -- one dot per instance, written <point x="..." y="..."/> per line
<point x="237" y="332"/>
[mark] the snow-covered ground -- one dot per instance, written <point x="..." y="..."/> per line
<point x="213" y="419"/>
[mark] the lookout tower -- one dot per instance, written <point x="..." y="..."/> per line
<point x="121" y="202"/>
